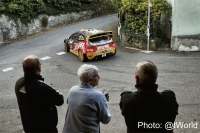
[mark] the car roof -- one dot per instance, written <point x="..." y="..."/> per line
<point x="90" y="31"/>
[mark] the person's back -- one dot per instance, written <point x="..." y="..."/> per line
<point x="87" y="107"/>
<point x="146" y="109"/>
<point x="37" y="100"/>
<point x="84" y="108"/>
<point x="42" y="100"/>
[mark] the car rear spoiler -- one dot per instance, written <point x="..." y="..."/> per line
<point x="106" y="33"/>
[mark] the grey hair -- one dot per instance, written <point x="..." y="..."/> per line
<point x="86" y="71"/>
<point x="147" y="72"/>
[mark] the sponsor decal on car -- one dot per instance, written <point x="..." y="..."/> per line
<point x="79" y="46"/>
<point x="90" y="50"/>
<point x="102" y="47"/>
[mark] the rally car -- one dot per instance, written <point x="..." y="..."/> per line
<point x="90" y="44"/>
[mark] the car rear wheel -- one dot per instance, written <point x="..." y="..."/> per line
<point x="114" y="52"/>
<point x="82" y="57"/>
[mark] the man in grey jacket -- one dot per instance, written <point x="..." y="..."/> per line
<point x="87" y="107"/>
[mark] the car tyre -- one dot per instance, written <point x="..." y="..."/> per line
<point x="114" y="52"/>
<point x="82" y="57"/>
<point x="66" y="45"/>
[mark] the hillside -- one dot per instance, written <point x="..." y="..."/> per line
<point x="20" y="18"/>
<point x="27" y="10"/>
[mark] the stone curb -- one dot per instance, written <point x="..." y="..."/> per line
<point x="134" y="50"/>
<point x="4" y="43"/>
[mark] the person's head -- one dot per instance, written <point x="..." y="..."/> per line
<point x="31" y="65"/>
<point x="146" y="72"/>
<point x="88" y="74"/>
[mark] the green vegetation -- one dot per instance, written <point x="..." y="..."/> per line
<point x="134" y="19"/>
<point x="133" y="14"/>
<point x="23" y="9"/>
<point x="26" y="10"/>
<point x="44" y="21"/>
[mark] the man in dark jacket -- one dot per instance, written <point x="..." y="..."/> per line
<point x="37" y="99"/>
<point x="146" y="109"/>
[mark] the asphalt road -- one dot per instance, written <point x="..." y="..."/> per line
<point x="179" y="72"/>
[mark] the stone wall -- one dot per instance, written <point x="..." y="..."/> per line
<point x="185" y="24"/>
<point x="187" y="41"/>
<point x="9" y="29"/>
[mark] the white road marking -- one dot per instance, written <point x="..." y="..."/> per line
<point x="61" y="53"/>
<point x="45" y="58"/>
<point x="146" y="51"/>
<point x="133" y="48"/>
<point x="7" y="69"/>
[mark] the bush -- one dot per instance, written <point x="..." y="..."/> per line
<point x="60" y="4"/>
<point x="44" y="21"/>
<point x="1" y="6"/>
<point x="134" y="16"/>
<point x="26" y="10"/>
<point x="103" y="7"/>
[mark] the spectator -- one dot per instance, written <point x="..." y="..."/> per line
<point x="146" y="109"/>
<point x="37" y="99"/>
<point x="87" y="107"/>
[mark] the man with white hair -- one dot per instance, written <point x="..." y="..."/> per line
<point x="146" y="109"/>
<point x="87" y="107"/>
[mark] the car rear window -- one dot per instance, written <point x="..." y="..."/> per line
<point x="97" y="38"/>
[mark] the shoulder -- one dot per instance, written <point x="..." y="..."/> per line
<point x="97" y="93"/>
<point x="44" y="84"/>
<point x="169" y="93"/>
<point x="75" y="88"/>
<point x="20" y="80"/>
<point x="126" y="94"/>
<point x="19" y="84"/>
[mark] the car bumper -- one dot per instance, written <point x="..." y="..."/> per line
<point x="101" y="53"/>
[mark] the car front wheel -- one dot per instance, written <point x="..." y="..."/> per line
<point x="66" y="45"/>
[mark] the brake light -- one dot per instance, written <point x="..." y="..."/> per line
<point x="112" y="44"/>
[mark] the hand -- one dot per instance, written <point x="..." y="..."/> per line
<point x="107" y="96"/>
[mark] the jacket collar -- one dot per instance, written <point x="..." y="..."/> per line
<point x="146" y="87"/>
<point x="86" y="85"/>
<point x="33" y="77"/>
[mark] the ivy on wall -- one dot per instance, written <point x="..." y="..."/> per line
<point x="134" y="16"/>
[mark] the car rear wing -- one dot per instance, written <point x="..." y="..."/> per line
<point x="104" y="34"/>
<point x="97" y="38"/>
